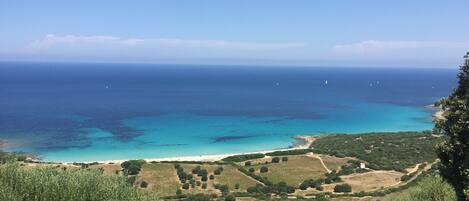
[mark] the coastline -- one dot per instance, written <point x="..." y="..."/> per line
<point x="304" y="142"/>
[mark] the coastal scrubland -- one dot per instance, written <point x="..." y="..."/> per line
<point x="331" y="169"/>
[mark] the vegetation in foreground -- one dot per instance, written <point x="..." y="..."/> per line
<point x="382" y="151"/>
<point x="430" y="188"/>
<point x="454" y="151"/>
<point x="52" y="184"/>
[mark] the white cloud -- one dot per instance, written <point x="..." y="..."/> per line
<point x="51" y="41"/>
<point x="373" y="48"/>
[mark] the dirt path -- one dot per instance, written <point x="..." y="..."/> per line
<point x="312" y="155"/>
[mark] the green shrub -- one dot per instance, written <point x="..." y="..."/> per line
<point x="275" y="160"/>
<point x="241" y="158"/>
<point x="132" y="167"/>
<point x="264" y="169"/>
<point x="387" y="151"/>
<point x="289" y="152"/>
<point x="143" y="184"/>
<point x="343" y="188"/>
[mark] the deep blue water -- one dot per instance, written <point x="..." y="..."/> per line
<point x="86" y="112"/>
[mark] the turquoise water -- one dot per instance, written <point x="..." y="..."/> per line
<point x="191" y="135"/>
<point x="92" y="112"/>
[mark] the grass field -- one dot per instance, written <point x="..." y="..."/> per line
<point x="332" y="162"/>
<point x="231" y="176"/>
<point x="161" y="177"/>
<point x="294" y="171"/>
<point x="370" y="181"/>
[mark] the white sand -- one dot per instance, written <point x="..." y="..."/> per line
<point x="308" y="140"/>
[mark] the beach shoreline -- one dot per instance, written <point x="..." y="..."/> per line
<point x="303" y="142"/>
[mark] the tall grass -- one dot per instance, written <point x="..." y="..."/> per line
<point x="53" y="184"/>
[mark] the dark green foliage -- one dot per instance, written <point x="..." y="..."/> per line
<point x="223" y="189"/>
<point x="284" y="159"/>
<point x="185" y="186"/>
<point x="199" y="197"/>
<point x="143" y="184"/>
<point x="289" y="152"/>
<point x="204" y="186"/>
<point x="387" y="151"/>
<point x="275" y="160"/>
<point x="247" y="163"/>
<point x="264" y="169"/>
<point x="252" y="170"/>
<point x="311" y="183"/>
<point x="212" y="177"/>
<point x="237" y="186"/>
<point x="241" y="158"/>
<point x="278" y="188"/>
<point x="343" y="188"/>
<point x="218" y="171"/>
<point x="255" y="176"/>
<point x="454" y="151"/>
<point x="230" y="197"/>
<point x="332" y="177"/>
<point x="132" y="167"/>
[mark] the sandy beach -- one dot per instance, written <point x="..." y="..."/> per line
<point x="304" y="143"/>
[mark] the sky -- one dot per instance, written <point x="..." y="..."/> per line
<point x="418" y="33"/>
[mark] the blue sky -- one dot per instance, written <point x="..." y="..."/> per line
<point x="428" y="33"/>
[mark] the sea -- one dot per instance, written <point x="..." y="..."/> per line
<point x="77" y="112"/>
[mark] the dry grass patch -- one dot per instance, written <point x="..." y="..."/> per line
<point x="371" y="181"/>
<point x="294" y="171"/>
<point x="161" y="178"/>
<point x="332" y="162"/>
<point x="108" y="169"/>
<point x="231" y="176"/>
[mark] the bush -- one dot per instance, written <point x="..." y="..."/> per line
<point x="343" y="188"/>
<point x="247" y="163"/>
<point x="252" y="170"/>
<point x="217" y="172"/>
<point x="275" y="160"/>
<point x="230" y="197"/>
<point x="204" y="186"/>
<point x="143" y="184"/>
<point x="289" y="152"/>
<point x="212" y="177"/>
<point x="132" y="167"/>
<point x="430" y="188"/>
<point x="241" y="158"/>
<point x="185" y="186"/>
<point x="236" y="186"/>
<point x="284" y="159"/>
<point x="264" y="169"/>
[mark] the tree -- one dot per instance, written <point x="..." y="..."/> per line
<point x="252" y="170"/>
<point x="264" y="169"/>
<point x="342" y="188"/>
<point x="275" y="160"/>
<point x="144" y="184"/>
<point x="454" y="151"/>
